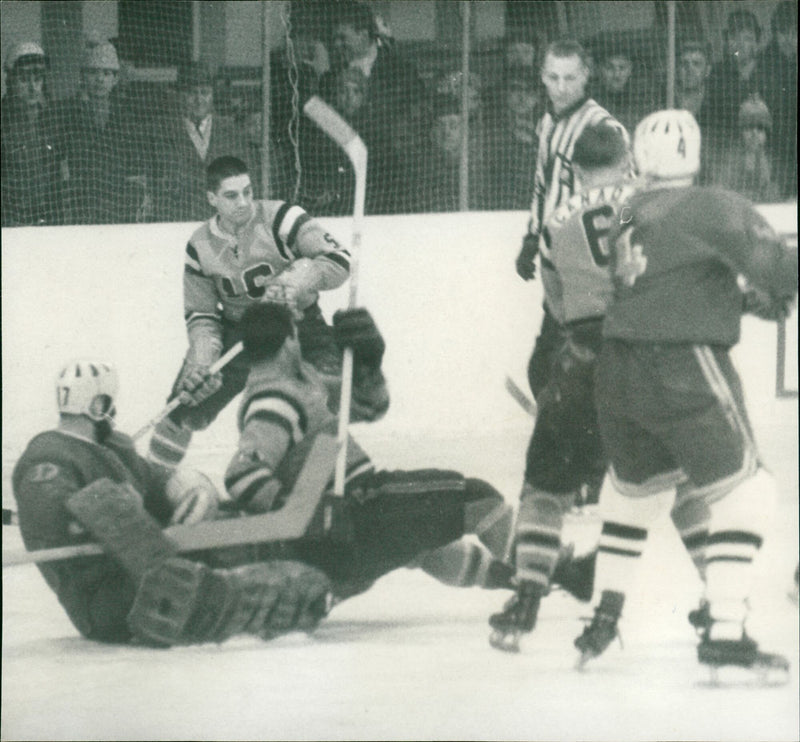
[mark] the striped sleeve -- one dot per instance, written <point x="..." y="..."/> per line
<point x="201" y="302"/>
<point x="272" y="423"/>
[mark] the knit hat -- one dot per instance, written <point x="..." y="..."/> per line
<point x="25" y="54"/>
<point x="101" y="57"/>
<point x="754" y="112"/>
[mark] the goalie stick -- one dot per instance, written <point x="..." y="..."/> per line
<point x="289" y="523"/>
<point x="327" y="119"/>
<point x="173" y="404"/>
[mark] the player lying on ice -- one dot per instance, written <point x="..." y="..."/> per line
<point x="84" y="478"/>
<point x="84" y="481"/>
<point x="386" y="519"/>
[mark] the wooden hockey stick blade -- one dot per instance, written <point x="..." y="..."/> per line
<point x="215" y="368"/>
<point x="289" y="523"/>
<point x="522" y="399"/>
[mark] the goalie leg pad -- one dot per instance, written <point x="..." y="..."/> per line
<point x="183" y="602"/>
<point x="114" y="514"/>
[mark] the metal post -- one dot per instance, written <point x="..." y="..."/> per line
<point x="266" y="102"/>
<point x="671" y="54"/>
<point x="463" y="172"/>
<point x="196" y="30"/>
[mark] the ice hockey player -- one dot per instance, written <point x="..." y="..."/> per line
<point x="141" y="591"/>
<point x="670" y="404"/>
<point x="249" y="252"/>
<point x="386" y="519"/>
<point x="565" y="453"/>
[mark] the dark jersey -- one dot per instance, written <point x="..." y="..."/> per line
<point x="95" y="591"/>
<point x="679" y="260"/>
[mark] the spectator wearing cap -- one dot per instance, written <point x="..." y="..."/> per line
<point x="110" y="169"/>
<point x="777" y="71"/>
<point x="393" y="86"/>
<point x="190" y="139"/>
<point x="746" y="166"/>
<point x="514" y="142"/>
<point x="33" y="164"/>
<point x="735" y="78"/>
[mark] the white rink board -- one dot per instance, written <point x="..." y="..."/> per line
<point x="442" y="288"/>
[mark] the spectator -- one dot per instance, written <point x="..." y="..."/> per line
<point x="692" y="94"/>
<point x="393" y="86"/>
<point x="33" y="165"/>
<point x="193" y="138"/>
<point x="620" y="86"/>
<point x="442" y="165"/>
<point x="513" y="157"/>
<point x="109" y="173"/>
<point x="297" y="70"/>
<point x="746" y="167"/>
<point x="777" y="71"/>
<point x="327" y="182"/>
<point x="735" y="78"/>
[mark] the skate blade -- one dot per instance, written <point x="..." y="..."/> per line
<point x="759" y="676"/>
<point x="505" y="642"/>
<point x="583" y="659"/>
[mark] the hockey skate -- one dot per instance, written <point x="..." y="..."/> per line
<point x="741" y="655"/>
<point x="518" y="617"/>
<point x="602" y="630"/>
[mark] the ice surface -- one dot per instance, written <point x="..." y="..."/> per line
<point x="409" y="659"/>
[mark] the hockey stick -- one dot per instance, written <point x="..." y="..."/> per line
<point x="288" y="523"/>
<point x="345" y="136"/>
<point x="522" y="399"/>
<point x="173" y="404"/>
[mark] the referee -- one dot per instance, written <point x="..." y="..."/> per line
<point x="565" y="74"/>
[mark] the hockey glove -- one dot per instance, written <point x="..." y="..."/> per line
<point x="761" y="304"/>
<point x="526" y="260"/>
<point x="192" y="495"/>
<point x="355" y="328"/>
<point x="297" y="287"/>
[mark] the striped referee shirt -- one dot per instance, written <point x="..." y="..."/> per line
<point x="554" y="181"/>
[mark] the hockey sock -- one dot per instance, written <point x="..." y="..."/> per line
<point x="462" y="563"/>
<point x="626" y="519"/>
<point x="736" y="531"/>
<point x="538" y="534"/>
<point x="490" y="518"/>
<point x="690" y="517"/>
<point x="169" y="443"/>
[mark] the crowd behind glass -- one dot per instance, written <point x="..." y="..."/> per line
<point x="121" y="153"/>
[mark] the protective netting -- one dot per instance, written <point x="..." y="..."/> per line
<point x="133" y="98"/>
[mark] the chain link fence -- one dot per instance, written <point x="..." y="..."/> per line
<point x="112" y="110"/>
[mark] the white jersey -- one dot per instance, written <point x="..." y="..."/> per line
<point x="576" y="254"/>
<point x="554" y="181"/>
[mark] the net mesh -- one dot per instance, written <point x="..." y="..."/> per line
<point x="113" y="126"/>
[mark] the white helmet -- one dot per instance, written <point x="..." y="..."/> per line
<point x="80" y="382"/>
<point x="666" y="145"/>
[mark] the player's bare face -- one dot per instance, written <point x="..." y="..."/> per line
<point x="565" y="79"/>
<point x="233" y="201"/>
